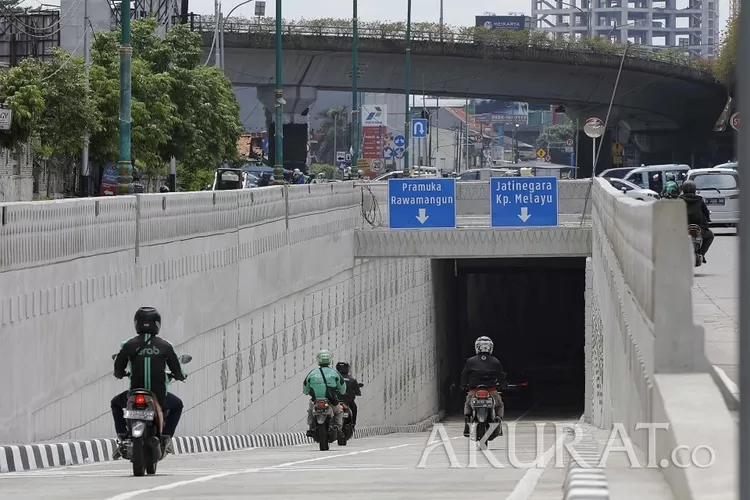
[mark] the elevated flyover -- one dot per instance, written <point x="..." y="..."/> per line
<point x="655" y="93"/>
<point x="253" y="282"/>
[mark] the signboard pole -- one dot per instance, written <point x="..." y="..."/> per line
<point x="407" y="89"/>
<point x="593" y="157"/>
<point x="578" y="133"/>
<point x="355" y="67"/>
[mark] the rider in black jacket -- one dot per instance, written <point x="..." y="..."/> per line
<point x="482" y="369"/>
<point x="698" y="214"/>
<point x="149" y="356"/>
<point x="352" y="389"/>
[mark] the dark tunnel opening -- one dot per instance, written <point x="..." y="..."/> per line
<point x="534" y="311"/>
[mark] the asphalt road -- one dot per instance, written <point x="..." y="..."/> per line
<point x="369" y="468"/>
<point x="716" y="301"/>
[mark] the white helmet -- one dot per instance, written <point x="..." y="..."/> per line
<point x="484" y="344"/>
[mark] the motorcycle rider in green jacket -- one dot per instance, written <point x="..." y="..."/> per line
<point x="325" y="383"/>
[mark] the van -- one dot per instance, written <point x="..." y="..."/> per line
<point x="720" y="189"/>
<point x="654" y="177"/>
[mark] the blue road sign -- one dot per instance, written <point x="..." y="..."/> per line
<point x="523" y="201"/>
<point x="399" y="153"/>
<point x="418" y="127"/>
<point x="388" y="153"/>
<point x="399" y="141"/>
<point x="265" y="144"/>
<point x="428" y="203"/>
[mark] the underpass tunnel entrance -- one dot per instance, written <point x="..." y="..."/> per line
<point x="533" y="309"/>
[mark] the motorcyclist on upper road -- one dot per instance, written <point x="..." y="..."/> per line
<point x="325" y="383"/>
<point x="698" y="214"/>
<point x="297" y="177"/>
<point x="352" y="389"/>
<point x="482" y="369"/>
<point x="671" y="188"/>
<point x="149" y="357"/>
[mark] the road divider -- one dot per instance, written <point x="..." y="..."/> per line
<point x="17" y="458"/>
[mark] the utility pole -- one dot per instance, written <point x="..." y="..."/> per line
<point x="278" y="168"/>
<point x="84" y="187"/>
<point x="407" y="90"/>
<point x="217" y="22"/>
<point x="355" y="67"/>
<point x="125" y="167"/>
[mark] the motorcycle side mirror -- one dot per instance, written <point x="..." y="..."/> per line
<point x="361" y="384"/>
<point x="185" y="359"/>
<point x="114" y="356"/>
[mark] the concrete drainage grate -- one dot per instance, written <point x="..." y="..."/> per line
<point x="584" y="480"/>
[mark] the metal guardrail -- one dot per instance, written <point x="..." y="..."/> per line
<point x="433" y="33"/>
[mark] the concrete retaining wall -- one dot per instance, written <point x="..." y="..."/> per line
<point x="647" y="358"/>
<point x="251" y="283"/>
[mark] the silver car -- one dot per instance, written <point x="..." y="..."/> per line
<point x="720" y="189"/>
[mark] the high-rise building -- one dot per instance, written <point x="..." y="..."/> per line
<point x="692" y="25"/>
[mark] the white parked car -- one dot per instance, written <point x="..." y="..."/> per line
<point x="632" y="190"/>
<point x="720" y="189"/>
<point x="728" y="166"/>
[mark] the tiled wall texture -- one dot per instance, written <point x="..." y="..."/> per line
<point x="250" y="283"/>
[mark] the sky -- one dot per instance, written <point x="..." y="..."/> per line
<point x="455" y="11"/>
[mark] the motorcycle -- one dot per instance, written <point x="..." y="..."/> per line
<point x="483" y="414"/>
<point x="145" y="420"/>
<point x="323" y="433"/>
<point x="697" y="238"/>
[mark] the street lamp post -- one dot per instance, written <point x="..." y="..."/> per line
<point x="278" y="168"/>
<point x="221" y="35"/>
<point x="124" y="165"/>
<point x="407" y="89"/>
<point x="355" y="104"/>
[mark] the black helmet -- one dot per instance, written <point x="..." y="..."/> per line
<point x="671" y="177"/>
<point x="164" y="189"/>
<point x="342" y="367"/>
<point x="688" y="187"/>
<point x="147" y="320"/>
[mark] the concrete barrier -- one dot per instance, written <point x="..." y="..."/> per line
<point x="44" y="456"/>
<point x="647" y="358"/>
<point x="251" y="283"/>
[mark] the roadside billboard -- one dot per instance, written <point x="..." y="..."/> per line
<point x="510" y="112"/>
<point x="512" y="23"/>
<point x="374" y="115"/>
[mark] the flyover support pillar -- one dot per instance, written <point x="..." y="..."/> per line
<point x="296" y="133"/>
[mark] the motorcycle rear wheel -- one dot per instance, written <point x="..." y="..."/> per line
<point x="323" y="437"/>
<point x="138" y="458"/>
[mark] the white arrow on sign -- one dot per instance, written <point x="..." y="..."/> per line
<point x="524" y="214"/>
<point x="422" y="217"/>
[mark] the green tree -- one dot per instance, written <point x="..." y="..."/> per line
<point x="555" y="134"/>
<point x="726" y="62"/>
<point x="333" y="119"/>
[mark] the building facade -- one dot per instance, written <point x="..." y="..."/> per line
<point x="692" y="25"/>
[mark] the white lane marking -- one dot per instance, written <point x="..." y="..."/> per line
<point x="198" y="472"/>
<point x="526" y="486"/>
<point x="131" y="494"/>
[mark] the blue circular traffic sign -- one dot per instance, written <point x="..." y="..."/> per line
<point x="399" y="141"/>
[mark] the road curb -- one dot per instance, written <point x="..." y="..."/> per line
<point x="18" y="458"/>
<point x="582" y="480"/>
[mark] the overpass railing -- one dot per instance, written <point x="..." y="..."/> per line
<point x="473" y="203"/>
<point x="445" y="34"/>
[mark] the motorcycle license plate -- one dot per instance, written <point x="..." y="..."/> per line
<point x="483" y="403"/>
<point x="138" y="414"/>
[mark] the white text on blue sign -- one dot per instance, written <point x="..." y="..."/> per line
<point x="422" y="194"/>
<point x="529" y="192"/>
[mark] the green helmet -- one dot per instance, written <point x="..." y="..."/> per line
<point x="324" y="357"/>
